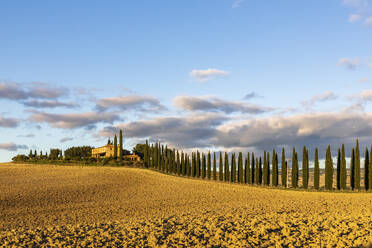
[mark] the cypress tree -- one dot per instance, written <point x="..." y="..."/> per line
<point x="316" y="170"/>
<point x="366" y="169"/>
<point x="294" y="169"/>
<point x="352" y="169"/>
<point x="116" y="147"/>
<point x="305" y="169"/>
<point x="257" y="172"/>
<point x="193" y="167"/>
<point x="183" y="164"/>
<point x="209" y="166"/>
<point x="214" y="166"/>
<point x="121" y="145"/>
<point x="30" y="155"/>
<point x="329" y="169"/>
<point x="240" y="167"/>
<point x="233" y="168"/>
<point x="253" y="170"/>
<point x="343" y="170"/>
<point x="248" y="170"/>
<point x="357" y="166"/>
<point x="198" y="164"/>
<point x="260" y="171"/>
<point x="220" y="168"/>
<point x="227" y="173"/>
<point x="338" y="171"/>
<point x="284" y="169"/>
<point x="268" y="169"/>
<point x="275" y="169"/>
<point x="204" y="165"/>
<point x="188" y="165"/>
<point x="265" y="169"/>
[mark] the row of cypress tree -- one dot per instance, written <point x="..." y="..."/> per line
<point x="259" y="170"/>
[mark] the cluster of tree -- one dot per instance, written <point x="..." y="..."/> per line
<point x="259" y="170"/>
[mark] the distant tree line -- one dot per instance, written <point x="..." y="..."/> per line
<point x="250" y="169"/>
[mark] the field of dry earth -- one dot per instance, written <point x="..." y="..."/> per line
<point x="101" y="206"/>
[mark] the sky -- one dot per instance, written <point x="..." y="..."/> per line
<point x="227" y="75"/>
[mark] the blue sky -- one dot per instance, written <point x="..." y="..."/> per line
<point x="74" y="72"/>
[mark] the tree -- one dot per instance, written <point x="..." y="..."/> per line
<point x="305" y="168"/>
<point x="116" y="147"/>
<point x="260" y="171"/>
<point x="214" y="166"/>
<point x="366" y="169"/>
<point x="54" y="154"/>
<point x="78" y="152"/>
<point x="247" y="171"/>
<point x="193" y="165"/>
<point x="329" y="169"/>
<point x="316" y="170"/>
<point x="178" y="164"/>
<point x="265" y="169"/>
<point x="338" y="170"/>
<point x="233" y="168"/>
<point x="357" y="166"/>
<point x="240" y="167"/>
<point x="204" y="166"/>
<point x="370" y="171"/>
<point x="227" y="173"/>
<point x="343" y="170"/>
<point x="253" y="170"/>
<point x="268" y="169"/>
<point x="220" y="168"/>
<point x="275" y="169"/>
<point x="257" y="172"/>
<point x="121" y="145"/>
<point x="209" y="165"/>
<point x="30" y="155"/>
<point x="284" y="169"/>
<point x="352" y="170"/>
<point x="294" y="169"/>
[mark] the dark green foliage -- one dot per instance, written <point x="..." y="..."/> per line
<point x="305" y="168"/>
<point x="209" y="166"/>
<point x="220" y="168"/>
<point x="338" y="170"/>
<point x="260" y="171"/>
<point x="193" y="165"/>
<point x="316" y="170"/>
<point x="121" y="145"/>
<point x="116" y="147"/>
<point x="183" y="164"/>
<point x="233" y="168"/>
<point x="78" y="152"/>
<point x="20" y="158"/>
<point x="294" y="169"/>
<point x="329" y="170"/>
<point x="178" y="164"/>
<point x="352" y="170"/>
<point x="55" y="154"/>
<point x="268" y="169"/>
<point x="370" y="171"/>
<point x="343" y="170"/>
<point x="357" y="166"/>
<point x="198" y="164"/>
<point x="257" y="172"/>
<point x="214" y="166"/>
<point x="227" y="173"/>
<point x="265" y="169"/>
<point x="275" y="169"/>
<point x="284" y="169"/>
<point x="240" y="168"/>
<point x="30" y="155"/>
<point x="147" y="154"/>
<point x="247" y="171"/>
<point x="188" y="165"/>
<point x="366" y="169"/>
<point x="253" y="170"/>
<point x="204" y="165"/>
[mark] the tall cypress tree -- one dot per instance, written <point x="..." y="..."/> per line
<point x="204" y="166"/>
<point x="233" y="168"/>
<point x="260" y="171"/>
<point x="193" y="166"/>
<point x="305" y="168"/>
<point x="265" y="169"/>
<point x="209" y="166"/>
<point x="352" y="170"/>
<point x="338" y="175"/>
<point x="366" y="169"/>
<point x="275" y="169"/>
<point x="257" y="172"/>
<point x="329" y="169"/>
<point x="214" y="166"/>
<point x="183" y="164"/>
<point x="316" y="170"/>
<point x="220" y="168"/>
<point x="357" y="166"/>
<point x="268" y="168"/>
<point x="284" y="170"/>
<point x="370" y="171"/>
<point x="240" y="167"/>
<point x="343" y="170"/>
<point x="121" y="145"/>
<point x="227" y="168"/>
<point x="253" y="170"/>
<point x="116" y="147"/>
<point x="248" y="170"/>
<point x="198" y="165"/>
<point x="294" y="169"/>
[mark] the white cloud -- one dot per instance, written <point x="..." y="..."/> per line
<point x="12" y="147"/>
<point x="349" y="63"/>
<point x="368" y="21"/>
<point x="354" y="18"/>
<point x="206" y="75"/>
<point x="365" y="95"/>
<point x="237" y="3"/>
<point x="131" y="102"/>
<point x="326" y="96"/>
